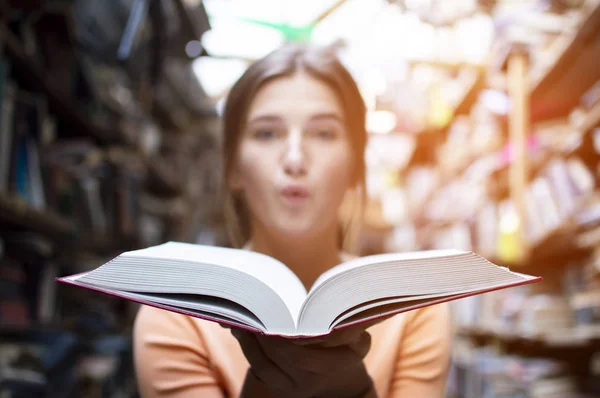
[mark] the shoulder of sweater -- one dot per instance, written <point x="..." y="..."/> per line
<point x="149" y="317"/>
<point x="437" y="316"/>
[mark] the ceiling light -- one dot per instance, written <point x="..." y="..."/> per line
<point x="233" y="38"/>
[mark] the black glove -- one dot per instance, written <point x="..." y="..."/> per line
<point x="329" y="366"/>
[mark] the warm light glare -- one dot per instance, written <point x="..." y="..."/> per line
<point x="266" y="10"/>
<point x="474" y="38"/>
<point x="302" y="13"/>
<point x="220" y="106"/>
<point x="232" y="38"/>
<point x="381" y="122"/>
<point x="350" y="22"/>
<point x="290" y="12"/>
<point x="509" y="223"/>
<point x="217" y="75"/>
<point x="496" y="101"/>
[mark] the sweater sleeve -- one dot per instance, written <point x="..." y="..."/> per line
<point x="424" y="354"/>
<point x="170" y="358"/>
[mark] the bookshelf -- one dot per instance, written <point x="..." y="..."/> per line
<point x="63" y="107"/>
<point x="16" y="211"/>
<point x="561" y="340"/>
<point x="470" y="95"/>
<point x="556" y="85"/>
<point x="540" y="175"/>
<point x="80" y="163"/>
<point x="559" y="240"/>
<point x="569" y="46"/>
<point x="591" y="119"/>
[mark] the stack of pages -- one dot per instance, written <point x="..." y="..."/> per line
<point x="253" y="291"/>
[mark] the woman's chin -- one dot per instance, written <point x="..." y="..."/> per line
<point x="301" y="231"/>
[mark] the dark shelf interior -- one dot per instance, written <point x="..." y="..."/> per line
<point x="64" y="108"/>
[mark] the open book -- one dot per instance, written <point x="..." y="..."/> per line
<point x="253" y="291"/>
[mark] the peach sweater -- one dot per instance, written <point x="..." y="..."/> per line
<point x="177" y="356"/>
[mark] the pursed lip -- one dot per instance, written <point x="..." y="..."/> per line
<point x="295" y="194"/>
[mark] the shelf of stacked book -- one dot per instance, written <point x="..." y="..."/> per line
<point x="469" y="195"/>
<point x="62" y="334"/>
<point x="550" y="339"/>
<point x="591" y="119"/>
<point x="464" y="199"/>
<point x="556" y="77"/>
<point x="17" y="211"/>
<point x="566" y="303"/>
<point x="564" y="46"/>
<point x="470" y="94"/>
<point x="70" y="190"/>
<point x="84" y="346"/>
<point x="544" y="242"/>
<point x="81" y="149"/>
<point x="556" y="321"/>
<point x="90" y="198"/>
<point x="495" y="371"/>
<point x="58" y="100"/>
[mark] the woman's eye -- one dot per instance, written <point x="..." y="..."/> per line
<point x="265" y="135"/>
<point x="326" y="134"/>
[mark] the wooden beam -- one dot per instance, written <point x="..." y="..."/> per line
<point x="518" y="129"/>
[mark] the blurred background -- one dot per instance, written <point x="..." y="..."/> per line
<point x="484" y="135"/>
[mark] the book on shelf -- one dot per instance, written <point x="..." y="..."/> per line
<point x="7" y="100"/>
<point x="252" y="291"/>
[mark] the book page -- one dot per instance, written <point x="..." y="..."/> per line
<point x="396" y="276"/>
<point x="382" y="258"/>
<point x="264" y="268"/>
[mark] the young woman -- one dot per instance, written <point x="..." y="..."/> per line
<point x="294" y="141"/>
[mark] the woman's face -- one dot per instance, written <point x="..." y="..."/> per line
<point x="294" y="161"/>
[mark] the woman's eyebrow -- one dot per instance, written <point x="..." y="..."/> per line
<point x="264" y="118"/>
<point x="327" y="116"/>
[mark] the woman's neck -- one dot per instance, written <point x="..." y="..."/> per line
<point x="308" y="258"/>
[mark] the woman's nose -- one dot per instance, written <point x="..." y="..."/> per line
<point x="294" y="158"/>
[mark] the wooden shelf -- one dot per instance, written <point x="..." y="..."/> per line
<point x="16" y="212"/>
<point x="558" y="89"/>
<point x="470" y="95"/>
<point x="552" y="251"/>
<point x="564" y="340"/>
<point x="64" y="108"/>
<point x="592" y="119"/>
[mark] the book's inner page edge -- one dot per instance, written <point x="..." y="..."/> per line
<point x="524" y="276"/>
<point x="163" y="276"/>
<point x="204" y="305"/>
<point x="368" y="309"/>
<point x="217" y="310"/>
<point x="73" y="278"/>
<point x="384" y="258"/>
<point x="462" y="272"/>
<point x="381" y="310"/>
<point x="384" y="309"/>
<point x="268" y="270"/>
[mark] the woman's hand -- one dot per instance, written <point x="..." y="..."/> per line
<point x="329" y="366"/>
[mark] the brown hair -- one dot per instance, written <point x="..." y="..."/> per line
<point x="320" y="63"/>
